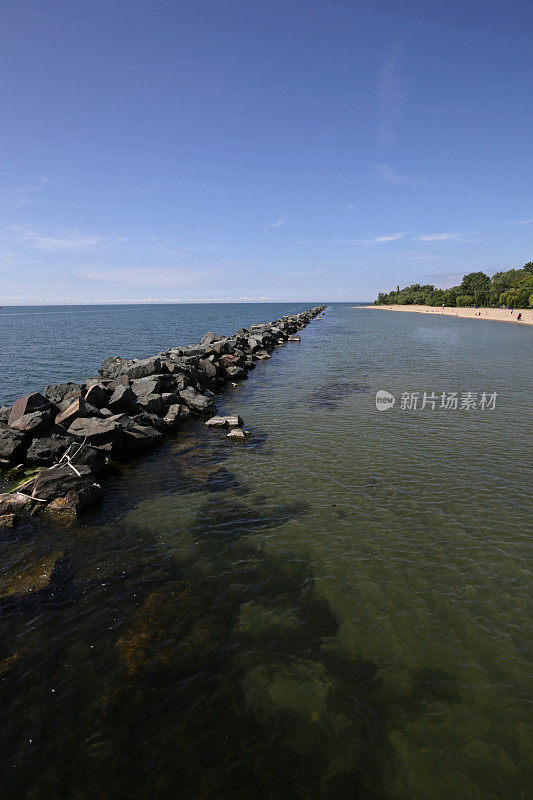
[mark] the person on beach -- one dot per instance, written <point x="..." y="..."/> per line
<point x="519" y="316"/>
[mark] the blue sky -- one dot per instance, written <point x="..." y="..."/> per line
<point x="241" y="149"/>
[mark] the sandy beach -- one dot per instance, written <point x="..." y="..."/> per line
<point x="494" y="314"/>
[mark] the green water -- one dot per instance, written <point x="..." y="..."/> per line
<point x="338" y="608"/>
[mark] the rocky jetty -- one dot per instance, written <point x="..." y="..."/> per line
<point x="61" y="440"/>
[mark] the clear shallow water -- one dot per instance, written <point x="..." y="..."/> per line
<point x="337" y="609"/>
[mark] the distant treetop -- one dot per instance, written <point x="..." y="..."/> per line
<point x="510" y="289"/>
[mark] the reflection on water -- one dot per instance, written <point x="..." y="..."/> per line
<point x="336" y="608"/>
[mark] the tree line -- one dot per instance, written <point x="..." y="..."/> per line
<point x="510" y="289"/>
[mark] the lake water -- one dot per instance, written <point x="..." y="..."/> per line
<point x="339" y="608"/>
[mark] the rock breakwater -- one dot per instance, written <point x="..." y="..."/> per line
<point x="58" y="443"/>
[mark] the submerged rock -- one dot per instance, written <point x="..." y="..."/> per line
<point x="31" y="579"/>
<point x="13" y="503"/>
<point x="74" y="502"/>
<point x="8" y="520"/>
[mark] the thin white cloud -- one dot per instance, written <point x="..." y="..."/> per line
<point x="520" y="222"/>
<point x="391" y="94"/>
<point x="387" y="174"/>
<point x="439" y="237"/>
<point x="392" y="237"/>
<point x="279" y="223"/>
<point x="62" y="241"/>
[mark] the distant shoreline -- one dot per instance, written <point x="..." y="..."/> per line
<point x="493" y="314"/>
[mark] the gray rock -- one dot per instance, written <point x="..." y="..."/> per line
<point x="97" y="395"/>
<point x="122" y="380"/>
<point x="150" y="420"/>
<point x="197" y="402"/>
<point x="103" y="434"/>
<point x="145" y="368"/>
<point x="26" y="405"/>
<point x="36" y="423"/>
<point x="153" y="404"/>
<point x="236" y="373"/>
<point x="114" y="366"/>
<point x="60" y="391"/>
<point x="47" y="450"/>
<point x="13" y="503"/>
<point x="208" y="368"/>
<point x="144" y="386"/>
<point x="83" y="455"/>
<point x="122" y="399"/>
<point x="59" y="481"/>
<point x="5" y="411"/>
<point x="11" y="444"/>
<point x="139" y="437"/>
<point x="175" y="414"/>
<point x="230" y="421"/>
<point x="72" y="504"/>
<point x="79" y="408"/>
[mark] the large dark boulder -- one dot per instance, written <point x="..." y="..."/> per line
<point x="122" y="399"/>
<point x="143" y="386"/>
<point x="209" y="338"/>
<point x="208" y="368"/>
<point x="103" y="434"/>
<point x="11" y="444"/>
<point x="97" y="395"/>
<point x="79" y="408"/>
<point x="47" y="450"/>
<point x="197" y="402"/>
<point x="145" y="368"/>
<point x="153" y="404"/>
<point x="36" y="423"/>
<point x="139" y="437"/>
<point x="82" y="454"/>
<point x="26" y="405"/>
<point x="59" y="481"/>
<point x="61" y="391"/>
<point x="150" y="420"/>
<point x="114" y="366"/>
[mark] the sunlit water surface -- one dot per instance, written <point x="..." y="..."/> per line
<point x="337" y="608"/>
